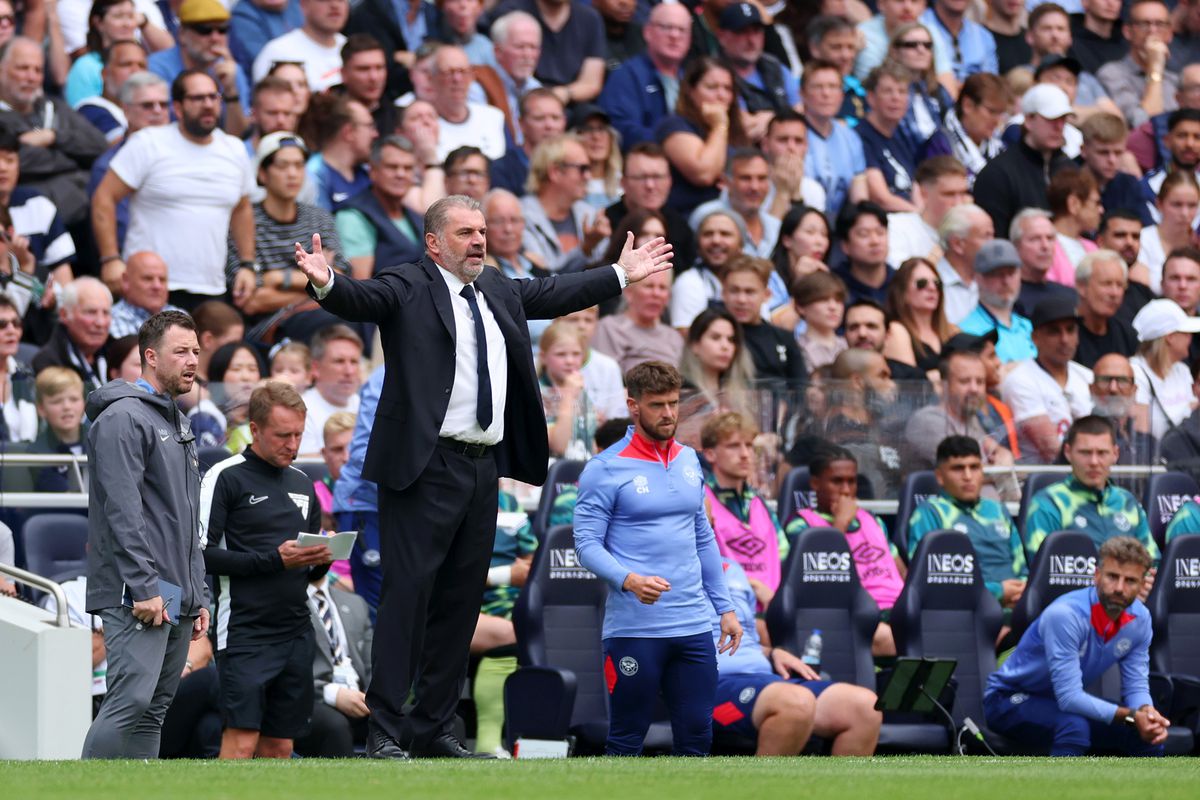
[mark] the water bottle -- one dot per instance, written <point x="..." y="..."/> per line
<point x="812" y="650"/>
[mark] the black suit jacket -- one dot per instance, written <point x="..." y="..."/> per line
<point x="412" y="306"/>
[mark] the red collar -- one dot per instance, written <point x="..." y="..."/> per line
<point x="644" y="449"/>
<point x="1105" y="628"/>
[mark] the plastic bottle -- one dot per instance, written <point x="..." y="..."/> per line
<point x="812" y="650"/>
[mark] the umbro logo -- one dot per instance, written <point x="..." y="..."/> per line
<point x="256" y="500"/>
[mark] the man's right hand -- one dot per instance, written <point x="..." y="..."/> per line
<point x="295" y="556"/>
<point x="1012" y="590"/>
<point x="844" y="509"/>
<point x="352" y="703"/>
<point x="1151" y="725"/>
<point x="150" y="612"/>
<point x="313" y="264"/>
<point x="647" y="589"/>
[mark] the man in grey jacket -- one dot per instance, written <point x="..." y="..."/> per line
<point x="143" y="509"/>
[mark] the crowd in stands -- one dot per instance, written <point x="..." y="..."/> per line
<point x="893" y="222"/>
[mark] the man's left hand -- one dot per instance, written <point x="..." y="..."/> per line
<point x="654" y="256"/>
<point x="1147" y="584"/>
<point x="731" y="633"/>
<point x="200" y="625"/>
<point x="1151" y="725"/>
<point x="243" y="286"/>
<point x="787" y="665"/>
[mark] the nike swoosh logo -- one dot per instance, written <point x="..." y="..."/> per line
<point x="256" y="500"/>
<point x="164" y="436"/>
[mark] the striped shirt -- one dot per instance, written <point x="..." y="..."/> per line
<point x="275" y="241"/>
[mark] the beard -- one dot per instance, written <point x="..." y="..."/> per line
<point x="1114" y="407"/>
<point x="198" y="129"/>
<point x="878" y="403"/>
<point x="1113" y="605"/>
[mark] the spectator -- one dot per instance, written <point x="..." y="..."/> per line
<point x="1178" y="205"/>
<point x="866" y="329"/>
<point x="1148" y="141"/>
<point x="878" y="30"/>
<point x="997" y="265"/>
<point x="573" y="46"/>
<point x="697" y="136"/>
<point x="1033" y="234"/>
<point x="363" y="78"/>
<point x="717" y="371"/>
<point x="204" y="47"/>
<point x="1075" y="212"/>
<point x="58" y="145"/>
<point x="560" y="227"/>
<point x="291" y="362"/>
<point x="345" y="134"/>
<point x="1102" y="153"/>
<point x="911" y="46"/>
<point x="85" y="314"/>
<point x="1050" y="38"/>
<point x="803" y="248"/>
<point x="747" y="182"/>
<point x="962" y="232"/>
<point x="1120" y="231"/>
<point x="835" y="157"/>
<point x="785" y="147"/>
<point x="505" y="235"/>
<point x="189" y="184"/>
<point x="234" y="370"/>
<point x="820" y="300"/>
<point x="862" y="231"/>
<point x="973" y="125"/>
<point x="1087" y="500"/>
<point x="217" y="324"/>
<point x="834" y="39"/>
<point x="1063" y="72"/>
<point x="1096" y="34"/>
<point x="1018" y="177"/>
<point x="125" y="361"/>
<point x="962" y="505"/>
<point x="1113" y="388"/>
<point x="916" y="320"/>
<point x="143" y="294"/>
<point x="942" y="181"/>
<point x="1005" y="20"/>
<point x="1048" y="393"/>
<point x="418" y="122"/>
<point x="460" y="26"/>
<point x="1101" y="279"/>
<point x="570" y="417"/>
<point x="273" y="107"/>
<point x="254" y="23"/>
<point x="622" y="34"/>
<point x="646" y="185"/>
<point x="891" y="159"/>
<point x="600" y="141"/>
<point x="375" y="226"/>
<point x="834" y="480"/>
<point x="120" y="60"/>
<point x="765" y="87"/>
<point x="460" y="121"/>
<point x="644" y="225"/>
<point x="1139" y="83"/>
<point x="60" y="394"/>
<point x="317" y="44"/>
<point x="293" y="74"/>
<point x="18" y="412"/>
<point x="645" y="88"/>
<point x="401" y="28"/>
<point x="719" y="238"/>
<point x="542" y="117"/>
<point x="639" y="334"/>
<point x="601" y="376"/>
<point x="1181" y="278"/>
<point x="972" y="46"/>
<point x="337" y="376"/>
<point x="517" y="44"/>
<point x="777" y="359"/>
<point x="1181" y="140"/>
<point x="109" y="22"/>
<point x="466" y="172"/>
<point x="1164" y="382"/>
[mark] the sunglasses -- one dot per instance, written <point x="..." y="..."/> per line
<point x="917" y="45"/>
<point x="208" y="30"/>
<point x="925" y="283"/>
<point x="12" y="322"/>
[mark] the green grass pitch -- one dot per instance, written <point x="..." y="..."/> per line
<point x="922" y="777"/>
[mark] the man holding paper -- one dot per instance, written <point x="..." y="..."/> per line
<point x="252" y="508"/>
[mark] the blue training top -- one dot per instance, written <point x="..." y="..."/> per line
<point x="1071" y="645"/>
<point x="641" y="509"/>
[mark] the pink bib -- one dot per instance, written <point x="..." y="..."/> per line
<point x="877" y="571"/>
<point x="755" y="547"/>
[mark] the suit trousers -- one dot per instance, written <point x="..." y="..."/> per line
<point x="436" y="539"/>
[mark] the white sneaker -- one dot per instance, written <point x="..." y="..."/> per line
<point x="502" y="754"/>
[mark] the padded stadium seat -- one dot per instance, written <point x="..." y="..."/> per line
<point x="56" y="545"/>
<point x="918" y="487"/>
<point x="1034" y="484"/>
<point x="820" y="589"/>
<point x="559" y="689"/>
<point x="1165" y="493"/>
<point x="946" y="611"/>
<point x="795" y="493"/>
<point x="315" y="472"/>
<point x="1066" y="561"/>
<point x="562" y="474"/>
<point x="1175" y="610"/>
<point x="211" y="455"/>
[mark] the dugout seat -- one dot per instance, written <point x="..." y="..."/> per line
<point x="315" y="472"/>
<point x="1034" y="484"/>
<point x="562" y="474"/>
<point x="796" y="493"/>
<point x="918" y="487"/>
<point x="820" y="589"/>
<point x="559" y="690"/>
<point x="56" y="545"/>
<point x="1174" y="605"/>
<point x="1066" y="561"/>
<point x="207" y="456"/>
<point x="1165" y="493"/>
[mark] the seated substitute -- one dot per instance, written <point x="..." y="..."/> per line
<point x="1038" y="698"/>
<point x="769" y="694"/>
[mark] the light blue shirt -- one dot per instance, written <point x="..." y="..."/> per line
<point x="834" y="163"/>
<point x="351" y="492"/>
<point x="1015" y="342"/>
<point x="976" y="50"/>
<point x="415" y="31"/>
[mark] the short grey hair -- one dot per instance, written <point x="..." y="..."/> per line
<point x="7" y="49"/>
<point x="439" y="213"/>
<point x="497" y="194"/>
<point x="1083" y="272"/>
<point x="958" y="222"/>
<point x="69" y="298"/>
<point x="1016" y="230"/>
<point x="136" y="81"/>
<point x="391" y="140"/>
<point x="503" y="26"/>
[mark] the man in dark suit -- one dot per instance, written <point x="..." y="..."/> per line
<point x="460" y="407"/>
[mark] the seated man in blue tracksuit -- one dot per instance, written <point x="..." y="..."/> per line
<point x="768" y="694"/>
<point x="1038" y="696"/>
<point x="640" y="526"/>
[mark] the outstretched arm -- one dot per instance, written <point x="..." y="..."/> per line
<point x="370" y="300"/>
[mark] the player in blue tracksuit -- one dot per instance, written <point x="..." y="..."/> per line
<point x="640" y="525"/>
<point x="1038" y="696"/>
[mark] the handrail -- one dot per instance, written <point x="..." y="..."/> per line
<point x="45" y="584"/>
<point x="1063" y="469"/>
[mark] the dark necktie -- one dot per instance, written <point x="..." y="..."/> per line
<point x="483" y="402"/>
<point x="325" y="611"/>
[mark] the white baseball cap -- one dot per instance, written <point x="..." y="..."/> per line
<point x="1047" y="101"/>
<point x="1162" y="317"/>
